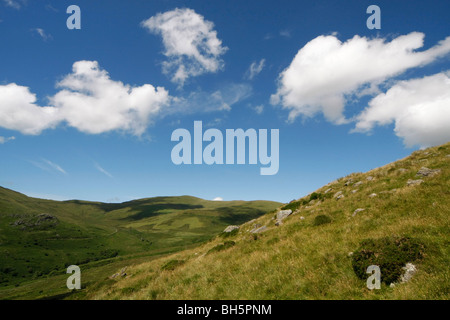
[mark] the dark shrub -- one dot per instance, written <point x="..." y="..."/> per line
<point x="229" y="234"/>
<point x="172" y="264"/>
<point x="390" y="254"/>
<point x="221" y="247"/>
<point x="321" y="219"/>
<point x="315" y="196"/>
<point x="292" y="206"/>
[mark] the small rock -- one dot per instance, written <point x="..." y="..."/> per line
<point x="337" y="194"/>
<point x="350" y="254"/>
<point x="426" y="172"/>
<point x="355" y="191"/>
<point x="410" y="270"/>
<point x="328" y="190"/>
<point x="447" y="156"/>
<point x="340" y="197"/>
<point x="259" y="230"/>
<point x="283" y="214"/>
<point x="392" y="285"/>
<point x="349" y="182"/>
<point x="372" y="195"/>
<point x="358" y="184"/>
<point x="413" y="182"/>
<point x="357" y="210"/>
<point x="302" y="218"/>
<point x="401" y="170"/>
<point x="230" y="228"/>
<point x="369" y="178"/>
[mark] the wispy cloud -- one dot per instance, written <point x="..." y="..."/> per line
<point x="254" y="69"/>
<point x="5" y="139"/>
<point x="55" y="166"/>
<point x="285" y="33"/>
<point x="45" y="36"/>
<point x="49" y="7"/>
<point x="259" y="109"/>
<point x="13" y="3"/>
<point x="99" y="168"/>
<point x="48" y="165"/>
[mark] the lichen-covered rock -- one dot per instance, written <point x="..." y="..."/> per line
<point x="410" y="271"/>
<point x="357" y="211"/>
<point x="259" y="230"/>
<point x="411" y="182"/>
<point x="230" y="228"/>
<point x="426" y="172"/>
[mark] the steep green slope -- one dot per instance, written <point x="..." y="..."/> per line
<point x="40" y="238"/>
<point x="315" y="252"/>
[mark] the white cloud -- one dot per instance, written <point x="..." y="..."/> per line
<point x="45" y="36"/>
<point x="217" y="199"/>
<point x="219" y="100"/>
<point x="285" y="33"/>
<point x="12" y="3"/>
<point x="93" y="103"/>
<point x="18" y="111"/>
<point x="191" y="45"/>
<point x="48" y="165"/>
<point x="259" y="109"/>
<point x="326" y="71"/>
<point x="89" y="101"/>
<point x="99" y="168"/>
<point x="254" y="69"/>
<point x="420" y="109"/>
<point x="6" y="139"/>
<point x="55" y="166"/>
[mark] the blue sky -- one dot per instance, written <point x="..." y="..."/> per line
<point x="88" y="114"/>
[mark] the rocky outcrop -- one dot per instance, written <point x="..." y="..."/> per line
<point x="357" y="211"/>
<point x="409" y="271"/>
<point x="338" y="195"/>
<point x="411" y="182"/>
<point x="281" y="215"/>
<point x="259" y="229"/>
<point x="426" y="172"/>
<point x="40" y="221"/>
<point x="230" y="228"/>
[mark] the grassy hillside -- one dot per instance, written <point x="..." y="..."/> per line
<point x="39" y="238"/>
<point x="316" y="251"/>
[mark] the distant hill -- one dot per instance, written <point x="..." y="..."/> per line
<point x="396" y="216"/>
<point x="39" y="238"/>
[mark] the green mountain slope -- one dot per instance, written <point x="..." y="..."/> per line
<point x="39" y="238"/>
<point x="386" y="216"/>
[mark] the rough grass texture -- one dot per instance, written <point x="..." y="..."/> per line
<point x="298" y="260"/>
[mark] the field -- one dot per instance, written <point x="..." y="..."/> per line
<point x="39" y="239"/>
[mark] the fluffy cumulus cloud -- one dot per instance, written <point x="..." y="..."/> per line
<point x="420" y="109"/>
<point x="88" y="100"/>
<point x="190" y="42"/>
<point x="19" y="111"/>
<point x="91" y="102"/>
<point x="326" y="72"/>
